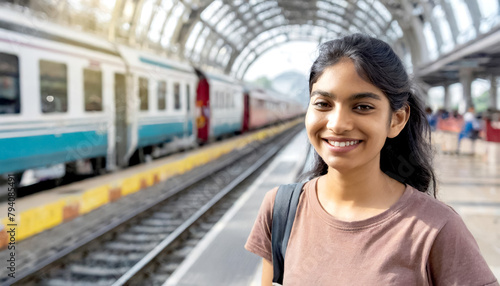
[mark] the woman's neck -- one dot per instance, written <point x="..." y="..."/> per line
<point x="362" y="192"/>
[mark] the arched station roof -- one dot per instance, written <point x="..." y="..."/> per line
<point x="229" y="35"/>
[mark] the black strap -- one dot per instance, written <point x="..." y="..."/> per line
<point x="285" y="206"/>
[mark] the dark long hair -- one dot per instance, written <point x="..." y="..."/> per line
<point x="408" y="156"/>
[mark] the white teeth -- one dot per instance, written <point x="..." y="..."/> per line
<point x="343" y="143"/>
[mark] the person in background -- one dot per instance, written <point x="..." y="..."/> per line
<point x="470" y="128"/>
<point x="431" y="118"/>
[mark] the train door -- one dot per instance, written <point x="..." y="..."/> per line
<point x="121" y="120"/>
<point x="203" y="109"/>
<point x="246" y="112"/>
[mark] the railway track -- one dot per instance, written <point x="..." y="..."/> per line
<point x="146" y="246"/>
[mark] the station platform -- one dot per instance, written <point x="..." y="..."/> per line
<point x="219" y="258"/>
<point x="45" y="210"/>
<point x="467" y="183"/>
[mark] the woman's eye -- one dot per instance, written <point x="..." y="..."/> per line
<point x="363" y="107"/>
<point x="321" y="104"/>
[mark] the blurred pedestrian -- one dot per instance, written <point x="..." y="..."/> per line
<point x="431" y="118"/>
<point x="470" y="128"/>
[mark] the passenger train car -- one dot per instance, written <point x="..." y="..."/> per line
<point x="67" y="98"/>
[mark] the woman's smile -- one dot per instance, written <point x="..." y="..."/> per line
<point x="339" y="145"/>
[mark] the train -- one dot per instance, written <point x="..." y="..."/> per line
<point x="75" y="102"/>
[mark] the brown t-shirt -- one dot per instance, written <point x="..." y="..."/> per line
<point x="417" y="241"/>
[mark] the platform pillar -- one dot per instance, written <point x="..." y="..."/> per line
<point x="493" y="92"/>
<point x="466" y="81"/>
<point x="447" y="99"/>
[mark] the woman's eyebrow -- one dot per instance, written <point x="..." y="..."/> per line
<point x="364" y="95"/>
<point x="353" y="97"/>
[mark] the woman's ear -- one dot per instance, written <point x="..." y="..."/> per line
<point x="399" y="120"/>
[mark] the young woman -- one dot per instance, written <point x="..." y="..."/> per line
<point x="368" y="216"/>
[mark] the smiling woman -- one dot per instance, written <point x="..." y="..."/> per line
<point x="367" y="215"/>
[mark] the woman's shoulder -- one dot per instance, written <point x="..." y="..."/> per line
<point x="271" y="194"/>
<point x="432" y="209"/>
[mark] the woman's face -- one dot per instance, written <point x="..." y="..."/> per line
<point x="349" y="119"/>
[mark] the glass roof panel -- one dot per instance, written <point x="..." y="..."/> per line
<point x="252" y="23"/>
<point x="334" y="28"/>
<point x="344" y="4"/>
<point x="239" y="33"/>
<point x="211" y="9"/>
<point x="465" y="26"/>
<point x="156" y="25"/>
<point x="193" y="36"/>
<point x="201" y="40"/>
<point x="377" y="6"/>
<point x="395" y="27"/>
<point x="222" y="52"/>
<point x="177" y="11"/>
<point x="278" y="20"/>
<point x="146" y="13"/>
<point x="330" y="16"/>
<point x="490" y="15"/>
<point x="238" y="2"/>
<point x="215" y="49"/>
<point x="432" y="47"/>
<point x="107" y="5"/>
<point x="360" y="25"/>
<point x="218" y="15"/>
<point x="243" y="8"/>
<point x="264" y="6"/>
<point x="363" y="6"/>
<point x="224" y="22"/>
<point x="373" y="27"/>
<point x="105" y="9"/>
<point x="268" y="13"/>
<point x="234" y="25"/>
<point x="440" y="16"/>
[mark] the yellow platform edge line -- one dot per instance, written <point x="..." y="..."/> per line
<point x="38" y="219"/>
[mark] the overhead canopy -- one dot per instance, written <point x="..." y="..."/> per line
<point x="229" y="35"/>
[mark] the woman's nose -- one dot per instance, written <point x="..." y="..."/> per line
<point x="339" y="120"/>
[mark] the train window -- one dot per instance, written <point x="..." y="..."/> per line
<point x="92" y="89"/>
<point x="177" y="96"/>
<point x="10" y="97"/>
<point x="216" y="99"/>
<point x="143" y="92"/>
<point x="188" y="96"/>
<point x="53" y="87"/>
<point x="162" y="95"/>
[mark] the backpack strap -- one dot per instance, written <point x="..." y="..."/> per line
<point x="285" y="207"/>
